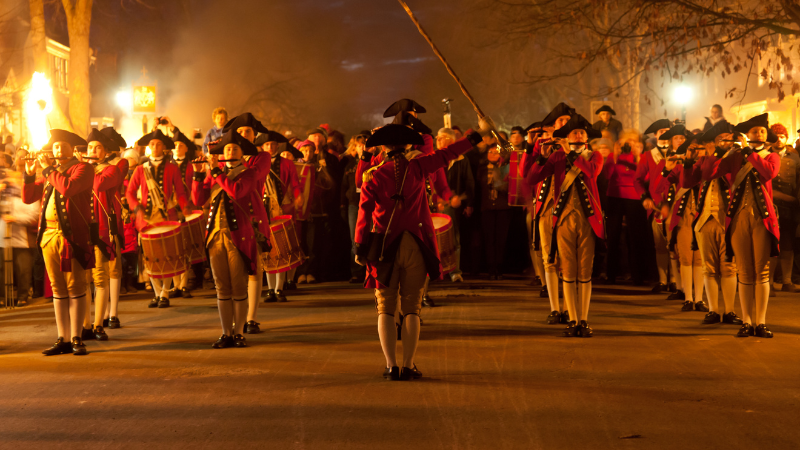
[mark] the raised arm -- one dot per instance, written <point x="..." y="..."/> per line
<point x="79" y="180"/>
<point x="238" y="188"/>
<point x="768" y="168"/>
<point x="32" y="189"/>
<point x="201" y="188"/>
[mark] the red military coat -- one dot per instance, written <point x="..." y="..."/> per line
<point x="168" y="178"/>
<point x="287" y="174"/>
<point x="648" y="175"/>
<point x="123" y="165"/>
<point x="186" y="170"/>
<point x="107" y="179"/>
<point x="541" y="188"/>
<point x="236" y="192"/>
<point x="556" y="165"/>
<point x="260" y="164"/>
<point x="414" y="216"/>
<point x="765" y="167"/>
<point x="73" y="191"/>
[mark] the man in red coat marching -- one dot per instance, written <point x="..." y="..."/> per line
<point x="155" y="194"/>
<point x="66" y="194"/>
<point x="115" y="268"/>
<point x="399" y="247"/>
<point x="236" y="232"/>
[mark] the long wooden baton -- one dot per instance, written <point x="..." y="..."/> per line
<point x="444" y="61"/>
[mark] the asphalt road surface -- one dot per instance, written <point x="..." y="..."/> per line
<point x="495" y="377"/>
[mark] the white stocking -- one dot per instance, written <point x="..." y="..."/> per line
<point x="166" y="286"/>
<point x="410" y="339"/>
<point x="61" y="307"/>
<point x="686" y="282"/>
<point x="157" y="285"/>
<point x="280" y="279"/>
<point x="585" y="297"/>
<point x="114" y="285"/>
<point x="570" y="293"/>
<point x="240" y="308"/>
<point x="712" y="292"/>
<point x="729" y="293"/>
<point x="697" y="275"/>
<point x="177" y="280"/>
<point x="676" y="273"/>
<point x="747" y="299"/>
<point x="100" y="305"/>
<point x="76" y="314"/>
<point x="762" y="298"/>
<point x="225" y="308"/>
<point x="87" y="309"/>
<point x="271" y="280"/>
<point x="253" y="296"/>
<point x="387" y="332"/>
<point x="551" y="281"/>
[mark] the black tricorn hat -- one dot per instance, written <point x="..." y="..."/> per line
<point x="58" y="135"/>
<point x="405" y="104"/>
<point x="577" y="122"/>
<point x="761" y="120"/>
<point x="561" y="109"/>
<point x="270" y="136"/>
<point x="677" y="130"/>
<point x="115" y="136"/>
<point x="690" y="138"/>
<point x="180" y="137"/>
<point x="404" y="118"/>
<point x="99" y="136"/>
<point x="721" y="127"/>
<point x="157" y="134"/>
<point x="395" y="135"/>
<point x="245" y="120"/>
<point x="533" y="125"/>
<point x="232" y="137"/>
<point x="659" y="124"/>
<point x="291" y="149"/>
<point x="607" y="109"/>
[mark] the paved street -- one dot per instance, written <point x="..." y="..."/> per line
<point x="496" y="377"/>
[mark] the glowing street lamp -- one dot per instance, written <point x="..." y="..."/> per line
<point x="683" y="95"/>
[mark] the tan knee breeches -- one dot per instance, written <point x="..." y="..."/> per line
<point x="683" y="245"/>
<point x="64" y="284"/>
<point x="751" y="245"/>
<point x="658" y="237"/>
<point x="227" y="266"/>
<point x="711" y="240"/>
<point x="407" y="282"/>
<point x="575" y="247"/>
<point x="546" y="236"/>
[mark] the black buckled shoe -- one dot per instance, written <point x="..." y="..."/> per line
<point x="565" y="317"/>
<point x="553" y="318"/>
<point x="711" y="318"/>
<point x="78" y="348"/>
<point x="688" y="305"/>
<point x="659" y="288"/>
<point x="731" y="318"/>
<point x="100" y="334"/>
<point x="106" y="323"/>
<point x="87" y="334"/>
<point x="571" y="330"/>
<point x="59" y="348"/>
<point x="392" y="373"/>
<point x="701" y="306"/>
<point x="271" y="297"/>
<point x="239" y="341"/>
<point x="763" y="332"/>
<point x="185" y="293"/>
<point x="672" y="287"/>
<point x="746" y="330"/>
<point x="543" y="293"/>
<point x="677" y="295"/>
<point x="252" y="327"/>
<point x="163" y="302"/>
<point x="224" y="341"/>
<point x="410" y="373"/>
<point x="427" y="301"/>
<point x="153" y="303"/>
<point x="280" y="297"/>
<point x="584" y="330"/>
<point x="114" y="323"/>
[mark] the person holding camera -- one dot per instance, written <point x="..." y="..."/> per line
<point x="65" y="190"/>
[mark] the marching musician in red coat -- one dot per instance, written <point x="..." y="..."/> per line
<point x="752" y="231"/>
<point x="248" y="126"/>
<point x="107" y="178"/>
<point x="577" y="216"/>
<point x="237" y="230"/>
<point x="281" y="195"/>
<point x="540" y="140"/>
<point x="395" y="236"/>
<point x="115" y="266"/>
<point x="648" y="175"/>
<point x="182" y="155"/>
<point x="64" y="232"/>
<point x="155" y="194"/>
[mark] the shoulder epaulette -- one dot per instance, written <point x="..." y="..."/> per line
<point x="366" y="177"/>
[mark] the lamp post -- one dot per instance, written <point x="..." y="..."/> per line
<point x="683" y="95"/>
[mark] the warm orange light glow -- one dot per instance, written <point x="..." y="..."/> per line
<point x="38" y="104"/>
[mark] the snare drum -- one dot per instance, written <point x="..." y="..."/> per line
<point x="286" y="253"/>
<point x="194" y="237"/>
<point x="446" y="240"/>
<point x="164" y="252"/>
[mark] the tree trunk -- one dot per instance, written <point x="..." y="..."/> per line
<point x="79" y="19"/>
<point x="38" y="37"/>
